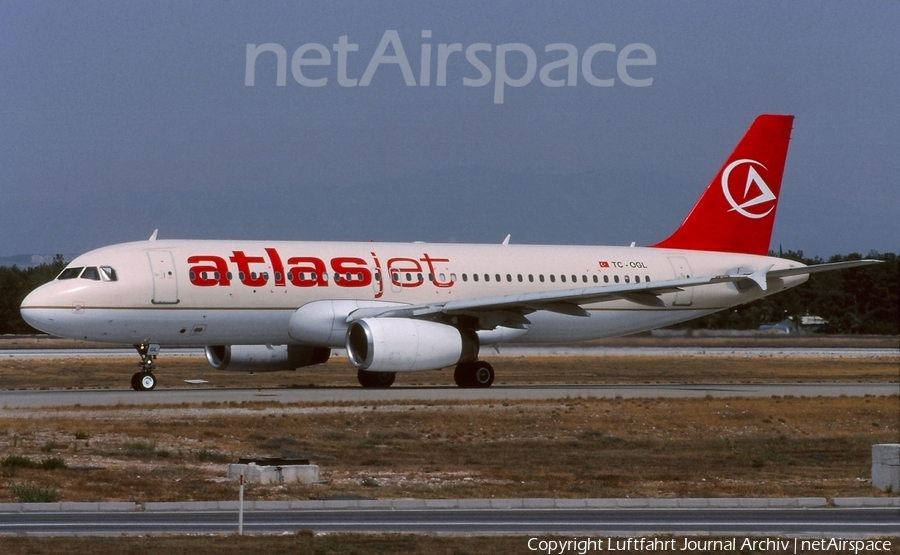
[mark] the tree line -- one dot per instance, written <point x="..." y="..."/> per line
<point x="862" y="300"/>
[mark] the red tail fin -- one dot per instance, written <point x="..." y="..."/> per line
<point x="737" y="211"/>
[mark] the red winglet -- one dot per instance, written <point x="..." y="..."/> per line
<point x="737" y="210"/>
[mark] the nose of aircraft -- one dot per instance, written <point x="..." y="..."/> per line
<point x="35" y="309"/>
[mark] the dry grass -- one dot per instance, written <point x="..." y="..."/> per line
<point x="81" y="373"/>
<point x="302" y="542"/>
<point x="574" y="448"/>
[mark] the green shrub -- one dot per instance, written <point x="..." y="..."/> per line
<point x="51" y="445"/>
<point x="53" y="463"/>
<point x="18" y="461"/>
<point x="34" y="494"/>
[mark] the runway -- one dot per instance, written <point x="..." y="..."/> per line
<point x="107" y="397"/>
<point x="521" y="351"/>
<point x="830" y="522"/>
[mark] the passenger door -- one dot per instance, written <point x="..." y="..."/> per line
<point x="165" y="281"/>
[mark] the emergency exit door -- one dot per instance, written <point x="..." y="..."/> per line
<point x="682" y="270"/>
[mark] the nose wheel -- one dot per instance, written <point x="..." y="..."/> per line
<point x="145" y="380"/>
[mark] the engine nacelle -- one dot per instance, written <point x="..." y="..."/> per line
<point x="406" y="345"/>
<point x="264" y="358"/>
<point x="325" y="322"/>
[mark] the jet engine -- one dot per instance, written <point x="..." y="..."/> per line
<point x="264" y="358"/>
<point x="405" y="345"/>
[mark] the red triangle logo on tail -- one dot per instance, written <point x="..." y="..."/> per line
<point x="737" y="210"/>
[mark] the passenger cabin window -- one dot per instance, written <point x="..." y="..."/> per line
<point x="71" y="273"/>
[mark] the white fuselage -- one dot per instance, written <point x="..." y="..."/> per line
<point x="245" y="292"/>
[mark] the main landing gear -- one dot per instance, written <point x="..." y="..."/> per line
<point x="474" y="374"/>
<point x="145" y="380"/>
<point x="375" y="379"/>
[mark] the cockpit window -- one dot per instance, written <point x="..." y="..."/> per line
<point x="109" y="274"/>
<point x="71" y="273"/>
<point x="91" y="272"/>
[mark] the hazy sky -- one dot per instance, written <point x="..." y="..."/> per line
<point x="118" y="118"/>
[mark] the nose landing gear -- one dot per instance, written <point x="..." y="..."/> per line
<point x="145" y="380"/>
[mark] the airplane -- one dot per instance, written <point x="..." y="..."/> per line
<point x="258" y="306"/>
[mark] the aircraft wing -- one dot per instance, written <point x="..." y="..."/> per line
<point x="510" y="310"/>
<point x="821" y="268"/>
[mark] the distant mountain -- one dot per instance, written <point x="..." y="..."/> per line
<point x="465" y="204"/>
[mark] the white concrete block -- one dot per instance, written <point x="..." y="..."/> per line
<point x="474" y="503"/>
<point x="602" y="503"/>
<point x="303" y="473"/>
<point x="886" y="467"/>
<point x="256" y="474"/>
<point x="570" y="503"/>
<point x="538" y="503"/>
<point x="41" y="507"/>
<point x="407" y="504"/>
<point x="663" y="503"/>
<point x="842" y="502"/>
<point x="280" y="505"/>
<point x="307" y="504"/>
<point x="163" y="506"/>
<point x="377" y="504"/>
<point x="628" y="503"/>
<point x="506" y="503"/>
<point x="724" y="503"/>
<point x="69" y="506"/>
<point x="341" y="504"/>
<point x="116" y="506"/>
<point x="441" y="503"/>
